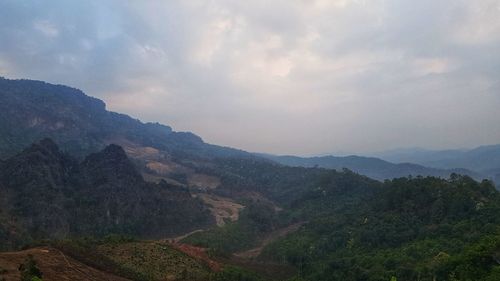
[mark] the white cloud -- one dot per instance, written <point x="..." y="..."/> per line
<point x="479" y="24"/>
<point x="46" y="28"/>
<point x="275" y="76"/>
<point x="426" y="66"/>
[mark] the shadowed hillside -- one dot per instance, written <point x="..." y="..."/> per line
<point x="47" y="194"/>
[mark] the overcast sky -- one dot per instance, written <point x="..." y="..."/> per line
<point x="289" y="77"/>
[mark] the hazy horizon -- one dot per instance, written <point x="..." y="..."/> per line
<point x="282" y="77"/>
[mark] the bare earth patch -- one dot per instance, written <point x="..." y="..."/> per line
<point x="222" y="208"/>
<point x="203" y="181"/>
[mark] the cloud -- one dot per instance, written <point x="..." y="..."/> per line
<point x="46" y="28"/>
<point x="298" y="77"/>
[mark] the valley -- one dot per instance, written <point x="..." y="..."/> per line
<point x="323" y="140"/>
<point x="97" y="195"/>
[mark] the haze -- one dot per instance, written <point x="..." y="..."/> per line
<point x="287" y="77"/>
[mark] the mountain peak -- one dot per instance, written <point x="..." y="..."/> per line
<point x="111" y="163"/>
<point x="115" y="151"/>
<point x="49" y="144"/>
<point x="46" y="147"/>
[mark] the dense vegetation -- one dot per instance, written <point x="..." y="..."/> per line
<point x="412" y="229"/>
<point x="281" y="184"/>
<point x="255" y="221"/>
<point x="47" y="194"/>
<point x="352" y="227"/>
<point x="408" y="228"/>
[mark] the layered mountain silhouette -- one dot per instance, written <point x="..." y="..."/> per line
<point x="32" y="110"/>
<point x="70" y="169"/>
<point x="483" y="159"/>
<point x="370" y="166"/>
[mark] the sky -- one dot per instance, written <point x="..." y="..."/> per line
<point x="298" y="77"/>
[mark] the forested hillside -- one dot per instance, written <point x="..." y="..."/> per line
<point x="32" y="110"/>
<point x="47" y="194"/>
<point x="407" y="228"/>
<point x="101" y="173"/>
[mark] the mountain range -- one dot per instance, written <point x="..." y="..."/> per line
<point x="95" y="185"/>
<point x="31" y="110"/>
<point x="483" y="159"/>
<point x="370" y="166"/>
<point x="79" y="124"/>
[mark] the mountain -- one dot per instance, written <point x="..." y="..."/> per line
<point x="416" y="155"/>
<point x="369" y="166"/>
<point x="47" y="194"/>
<point x="33" y="110"/>
<point x="96" y="173"/>
<point x="483" y="159"/>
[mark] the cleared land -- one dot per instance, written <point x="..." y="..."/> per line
<point x="222" y="208"/>
<point x="53" y="264"/>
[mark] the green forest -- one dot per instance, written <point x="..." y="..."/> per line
<point x="407" y="229"/>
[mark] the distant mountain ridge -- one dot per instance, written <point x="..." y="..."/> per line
<point x="137" y="179"/>
<point x="369" y="166"/>
<point x="483" y="159"/>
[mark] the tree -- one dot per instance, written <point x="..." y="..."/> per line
<point x="29" y="270"/>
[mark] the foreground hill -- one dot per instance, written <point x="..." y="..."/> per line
<point x="47" y="194"/>
<point x="54" y="265"/>
<point x="370" y="166"/>
<point x="114" y="259"/>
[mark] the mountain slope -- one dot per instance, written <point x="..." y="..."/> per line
<point x="32" y="110"/>
<point x="47" y="194"/>
<point x="413" y="229"/>
<point x="53" y="264"/>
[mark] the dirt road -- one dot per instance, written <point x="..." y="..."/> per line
<point x="255" y="252"/>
